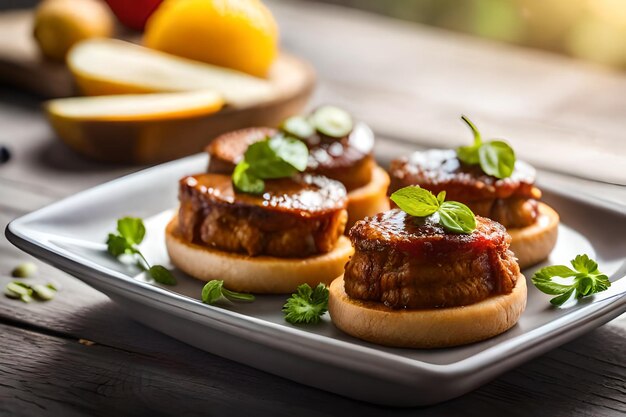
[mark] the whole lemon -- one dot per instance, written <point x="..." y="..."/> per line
<point x="238" y="34"/>
<point x="59" y="24"/>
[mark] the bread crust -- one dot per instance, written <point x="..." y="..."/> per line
<point x="533" y="244"/>
<point x="426" y="328"/>
<point x="259" y="274"/>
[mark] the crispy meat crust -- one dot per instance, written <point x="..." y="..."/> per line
<point x="294" y="217"/>
<point x="511" y="201"/>
<point x="406" y="262"/>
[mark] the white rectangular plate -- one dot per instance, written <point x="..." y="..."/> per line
<point x="70" y="234"/>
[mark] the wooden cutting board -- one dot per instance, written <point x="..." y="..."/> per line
<point x="21" y="64"/>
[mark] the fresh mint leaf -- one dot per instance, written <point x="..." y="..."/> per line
<point x="306" y="305"/>
<point x="161" y="275"/>
<point x="584" y="280"/>
<point x="497" y="158"/>
<point x="457" y="217"/>
<point x="419" y="202"/>
<point x="214" y="292"/>
<point x="132" y="229"/>
<point x="416" y="201"/>
<point x="275" y="157"/>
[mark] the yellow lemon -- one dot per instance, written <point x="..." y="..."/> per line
<point x="238" y="34"/>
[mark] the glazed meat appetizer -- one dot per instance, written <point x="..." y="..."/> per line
<point x="266" y="229"/>
<point x="338" y="149"/>
<point x="434" y="275"/>
<point x="488" y="179"/>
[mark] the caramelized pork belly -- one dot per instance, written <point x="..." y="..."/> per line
<point x="294" y="217"/>
<point x="511" y="201"/>
<point x="348" y="160"/>
<point x="408" y="262"/>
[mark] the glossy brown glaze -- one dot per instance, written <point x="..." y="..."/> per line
<point x="510" y="201"/>
<point x="348" y="160"/>
<point x="294" y="217"/>
<point x="408" y="262"/>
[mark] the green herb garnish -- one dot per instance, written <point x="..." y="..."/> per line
<point x="130" y="233"/>
<point x="214" y="292"/>
<point x="24" y="270"/>
<point x="495" y="157"/>
<point x="418" y="202"/>
<point x="306" y="305"/>
<point x="275" y="157"/>
<point x="584" y="280"/>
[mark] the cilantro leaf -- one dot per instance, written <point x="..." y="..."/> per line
<point x="117" y="245"/>
<point x="306" y="305"/>
<point x="584" y="280"/>
<point x="495" y="157"/>
<point x="214" y="292"/>
<point x="453" y="216"/>
<point x="131" y="229"/>
<point x="457" y="217"/>
<point x="162" y="275"/>
<point x="416" y="201"/>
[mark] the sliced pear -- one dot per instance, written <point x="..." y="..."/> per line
<point x="110" y="66"/>
<point x="143" y="128"/>
<point x="137" y="107"/>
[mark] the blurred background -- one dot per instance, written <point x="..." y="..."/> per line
<point x="585" y="29"/>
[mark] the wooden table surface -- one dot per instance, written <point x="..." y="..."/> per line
<point x="80" y="355"/>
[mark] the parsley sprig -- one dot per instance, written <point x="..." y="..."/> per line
<point x="214" y="292"/>
<point x="455" y="217"/>
<point x="130" y="233"/>
<point x="585" y="279"/>
<point x="276" y="157"/>
<point x="307" y="305"/>
<point x="495" y="157"/>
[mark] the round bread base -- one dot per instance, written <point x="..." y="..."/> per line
<point x="258" y="274"/>
<point x="369" y="199"/>
<point x="533" y="244"/>
<point x="426" y="328"/>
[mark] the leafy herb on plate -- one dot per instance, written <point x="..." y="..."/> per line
<point x="276" y="157"/>
<point x="453" y="216"/>
<point x="495" y="157"/>
<point x="306" y="305"/>
<point x="214" y="292"/>
<point x="585" y="279"/>
<point x="130" y="233"/>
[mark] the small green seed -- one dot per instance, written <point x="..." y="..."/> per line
<point x="19" y="290"/>
<point x="298" y="126"/>
<point x="332" y="121"/>
<point x="24" y="270"/>
<point x="43" y="292"/>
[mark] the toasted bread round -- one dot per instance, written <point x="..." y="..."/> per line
<point x="369" y="199"/>
<point x="259" y="274"/>
<point x="426" y="328"/>
<point x="532" y="244"/>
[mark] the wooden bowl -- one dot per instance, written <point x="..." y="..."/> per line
<point x="150" y="142"/>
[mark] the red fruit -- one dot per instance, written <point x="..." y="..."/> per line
<point x="133" y="13"/>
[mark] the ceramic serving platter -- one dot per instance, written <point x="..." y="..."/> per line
<point x="70" y="234"/>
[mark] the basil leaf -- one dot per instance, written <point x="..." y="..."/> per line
<point x="415" y="201"/>
<point x="162" y="275"/>
<point x="245" y="181"/>
<point x="441" y="197"/>
<point x="497" y="158"/>
<point x="457" y="217"/>
<point x="131" y="229"/>
<point x="292" y="151"/>
<point x="469" y="154"/>
<point x="212" y="291"/>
